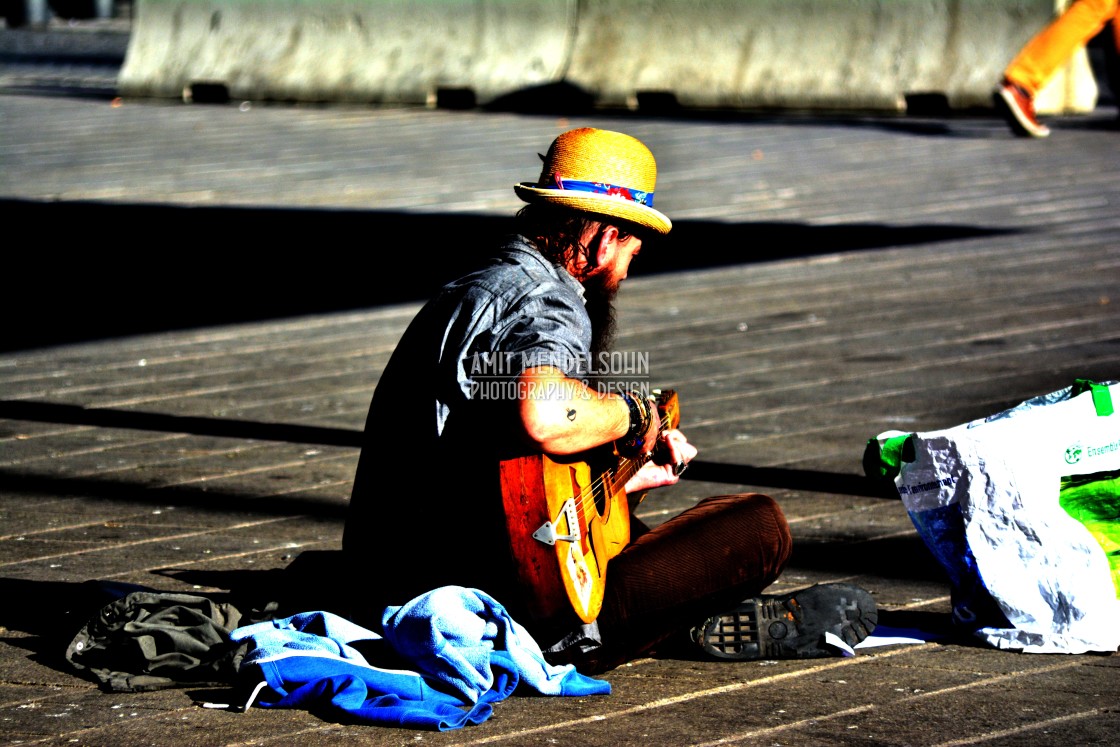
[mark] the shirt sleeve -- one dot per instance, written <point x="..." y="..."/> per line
<point x="550" y="329"/>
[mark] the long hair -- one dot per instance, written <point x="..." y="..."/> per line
<point x="555" y="231"/>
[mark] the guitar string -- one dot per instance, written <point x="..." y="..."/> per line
<point x="586" y="497"/>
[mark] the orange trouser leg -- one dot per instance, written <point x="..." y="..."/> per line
<point x="1052" y="47"/>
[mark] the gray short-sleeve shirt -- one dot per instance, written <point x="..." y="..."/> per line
<point x="434" y="429"/>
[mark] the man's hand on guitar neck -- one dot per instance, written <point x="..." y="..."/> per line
<point x="672" y="455"/>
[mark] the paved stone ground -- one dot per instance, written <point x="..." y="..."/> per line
<point x="200" y="300"/>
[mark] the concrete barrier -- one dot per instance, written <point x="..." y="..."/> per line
<point x="392" y="51"/>
<point x="722" y="54"/>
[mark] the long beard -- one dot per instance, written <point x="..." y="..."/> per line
<point x="599" y="293"/>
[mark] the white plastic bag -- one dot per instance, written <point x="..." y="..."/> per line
<point x="1022" y="509"/>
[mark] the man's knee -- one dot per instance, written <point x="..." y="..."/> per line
<point x="759" y="515"/>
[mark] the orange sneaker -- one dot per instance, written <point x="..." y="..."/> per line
<point x="1017" y="107"/>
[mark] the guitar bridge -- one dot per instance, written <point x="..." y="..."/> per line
<point x="547" y="532"/>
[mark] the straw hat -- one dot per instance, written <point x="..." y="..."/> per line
<point x="599" y="171"/>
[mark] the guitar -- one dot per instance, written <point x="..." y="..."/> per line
<point x="566" y="517"/>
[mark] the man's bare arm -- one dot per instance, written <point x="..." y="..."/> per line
<point x="564" y="416"/>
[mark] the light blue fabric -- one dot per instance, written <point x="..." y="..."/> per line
<point x="453" y="633"/>
<point x="467" y="651"/>
<point x="320" y="632"/>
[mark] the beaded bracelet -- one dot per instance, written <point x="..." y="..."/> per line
<point x="640" y="418"/>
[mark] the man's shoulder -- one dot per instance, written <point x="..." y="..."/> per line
<point x="520" y="255"/>
<point x="516" y="270"/>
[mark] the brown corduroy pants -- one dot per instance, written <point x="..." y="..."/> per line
<point x="700" y="563"/>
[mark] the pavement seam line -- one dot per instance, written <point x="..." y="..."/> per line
<point x="687" y="697"/>
<point x="872" y="706"/>
<point x="1019" y="729"/>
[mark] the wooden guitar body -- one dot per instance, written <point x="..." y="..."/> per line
<point x="566" y="518"/>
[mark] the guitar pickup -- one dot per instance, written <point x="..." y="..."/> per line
<point x="547" y="532"/>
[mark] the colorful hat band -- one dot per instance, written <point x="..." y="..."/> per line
<point x="600" y="188"/>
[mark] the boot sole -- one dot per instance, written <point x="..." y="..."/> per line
<point x="791" y="626"/>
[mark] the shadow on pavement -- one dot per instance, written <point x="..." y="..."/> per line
<point x="121" y="491"/>
<point x="101" y="417"/>
<point x="115" y="270"/>
<point x="905" y="558"/>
